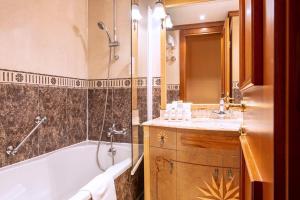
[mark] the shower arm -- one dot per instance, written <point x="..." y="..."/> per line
<point x="38" y="120"/>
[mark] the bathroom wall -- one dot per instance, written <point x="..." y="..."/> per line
<point x="21" y="102"/>
<point x="98" y="51"/>
<point x="173" y="74"/>
<point x="118" y="111"/>
<point x="43" y="66"/>
<point x="48" y="37"/>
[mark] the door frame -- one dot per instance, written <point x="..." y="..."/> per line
<point x="286" y="99"/>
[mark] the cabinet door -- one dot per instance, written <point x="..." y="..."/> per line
<point x="206" y="182"/>
<point x="163" y="174"/>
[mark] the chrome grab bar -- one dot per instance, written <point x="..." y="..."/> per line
<point x="11" y="150"/>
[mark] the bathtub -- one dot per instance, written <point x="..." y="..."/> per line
<point x="60" y="174"/>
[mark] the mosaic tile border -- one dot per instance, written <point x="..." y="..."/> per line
<point x="19" y="77"/>
<point x="173" y="87"/>
<point x="112" y="83"/>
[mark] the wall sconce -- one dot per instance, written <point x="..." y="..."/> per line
<point x="160" y="12"/>
<point x="169" y="23"/>
<point x="135" y="14"/>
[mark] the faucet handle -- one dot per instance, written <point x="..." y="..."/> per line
<point x="228" y="99"/>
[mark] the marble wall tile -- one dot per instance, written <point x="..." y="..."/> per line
<point x="237" y="95"/>
<point x="156" y="102"/>
<point x="172" y="95"/>
<point x="18" y="109"/>
<point x="130" y="187"/>
<point x="118" y="111"/>
<point x="53" y="134"/>
<point x="76" y="115"/>
<point x="2" y="131"/>
<point x="142" y="104"/>
<point x="21" y="104"/>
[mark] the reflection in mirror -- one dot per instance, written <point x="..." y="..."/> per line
<point x="202" y="52"/>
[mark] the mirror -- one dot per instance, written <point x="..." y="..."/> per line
<point x="202" y="52"/>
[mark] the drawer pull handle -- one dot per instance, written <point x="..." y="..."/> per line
<point x="229" y="173"/>
<point x="171" y="166"/>
<point x="216" y="174"/>
<point x="162" y="140"/>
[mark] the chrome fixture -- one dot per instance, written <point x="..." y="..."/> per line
<point x="111" y="133"/>
<point x="38" y="121"/>
<point x="241" y="106"/>
<point x="169" y="23"/>
<point x="159" y="12"/>
<point x="113" y="44"/>
<point x="135" y="15"/>
<point x="221" y="107"/>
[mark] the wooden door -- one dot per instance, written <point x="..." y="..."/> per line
<point x="163" y="174"/>
<point x="257" y="85"/>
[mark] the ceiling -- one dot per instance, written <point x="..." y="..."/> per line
<point x="212" y="10"/>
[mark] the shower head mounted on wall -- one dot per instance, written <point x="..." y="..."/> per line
<point x="102" y="26"/>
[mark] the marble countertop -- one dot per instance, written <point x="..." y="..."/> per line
<point x="198" y="124"/>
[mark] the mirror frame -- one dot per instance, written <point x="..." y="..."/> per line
<point x="186" y="30"/>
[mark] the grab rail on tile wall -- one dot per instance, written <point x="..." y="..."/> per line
<point x="39" y="121"/>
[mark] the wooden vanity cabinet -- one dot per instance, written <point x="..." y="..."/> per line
<point x="191" y="164"/>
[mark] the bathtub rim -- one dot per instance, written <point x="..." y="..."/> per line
<point x="45" y="155"/>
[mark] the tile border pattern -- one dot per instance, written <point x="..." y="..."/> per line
<point x="20" y="77"/>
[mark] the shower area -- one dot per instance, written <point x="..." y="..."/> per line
<point x="69" y="62"/>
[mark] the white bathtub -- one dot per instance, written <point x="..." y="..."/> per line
<point x="60" y="174"/>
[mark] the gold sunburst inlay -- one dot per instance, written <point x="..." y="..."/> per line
<point x="162" y="136"/>
<point x="221" y="191"/>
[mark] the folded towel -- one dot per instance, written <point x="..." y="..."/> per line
<point x="102" y="187"/>
<point x="81" y="195"/>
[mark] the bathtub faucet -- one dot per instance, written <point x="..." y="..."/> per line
<point x="111" y="133"/>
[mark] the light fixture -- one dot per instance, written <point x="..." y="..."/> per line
<point x="135" y="14"/>
<point x="169" y="23"/>
<point x="159" y="10"/>
<point x="202" y="17"/>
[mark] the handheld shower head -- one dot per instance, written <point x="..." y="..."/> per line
<point x="102" y="26"/>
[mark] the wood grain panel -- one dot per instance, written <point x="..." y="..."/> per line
<point x="210" y="157"/>
<point x="259" y="117"/>
<point x="206" y="182"/>
<point x="251" y="43"/>
<point x="207" y="139"/>
<point x="147" y="192"/>
<point x="163" y="138"/>
<point x="163" y="70"/>
<point x="163" y="169"/>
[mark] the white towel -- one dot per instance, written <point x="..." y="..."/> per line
<point x="102" y="187"/>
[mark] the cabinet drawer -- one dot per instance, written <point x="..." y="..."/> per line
<point x="210" y="157"/>
<point x="163" y="168"/>
<point x="217" y="149"/>
<point x="163" y="138"/>
<point x="188" y="139"/>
